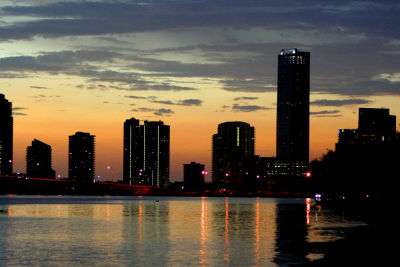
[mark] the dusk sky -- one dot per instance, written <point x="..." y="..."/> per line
<point x="70" y="66"/>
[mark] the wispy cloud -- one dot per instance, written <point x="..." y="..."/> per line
<point x="247" y="108"/>
<point x="158" y="112"/>
<point x="339" y="102"/>
<point x="326" y="113"/>
<point x="185" y="102"/>
<point x="15" y="111"/>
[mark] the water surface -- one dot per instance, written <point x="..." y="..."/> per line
<point x="164" y="231"/>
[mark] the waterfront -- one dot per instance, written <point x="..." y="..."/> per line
<point x="168" y="231"/>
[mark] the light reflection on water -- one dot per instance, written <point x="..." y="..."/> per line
<point x="173" y="231"/>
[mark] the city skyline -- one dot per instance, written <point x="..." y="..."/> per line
<point x="193" y="72"/>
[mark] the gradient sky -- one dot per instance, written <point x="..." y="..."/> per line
<point x="88" y="66"/>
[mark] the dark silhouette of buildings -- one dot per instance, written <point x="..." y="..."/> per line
<point x="81" y="157"/>
<point x="232" y="154"/>
<point x="6" y="136"/>
<point x="365" y="159"/>
<point x="193" y="176"/>
<point x="376" y="125"/>
<point x="38" y="160"/>
<point x="146" y="153"/>
<point x="293" y="105"/>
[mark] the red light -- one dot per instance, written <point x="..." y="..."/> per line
<point x="308" y="174"/>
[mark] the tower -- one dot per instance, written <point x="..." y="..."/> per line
<point x="6" y="136"/>
<point x="146" y="153"/>
<point x="293" y="106"/>
<point x="233" y="148"/>
<point x="38" y="160"/>
<point x="81" y="157"/>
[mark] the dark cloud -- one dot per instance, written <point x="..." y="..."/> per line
<point x="185" y="102"/>
<point x="256" y="85"/>
<point x="245" y="98"/>
<point x="247" y="108"/>
<point x="94" y="18"/>
<point x="339" y="102"/>
<point x="18" y="108"/>
<point x="19" y="114"/>
<point x="15" y="111"/>
<point x="39" y="87"/>
<point x="157" y="112"/>
<point x="55" y="61"/>
<point x="12" y="75"/>
<point x="190" y="102"/>
<point x="135" y="97"/>
<point x="351" y="43"/>
<point x="326" y="113"/>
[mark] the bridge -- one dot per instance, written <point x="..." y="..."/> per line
<point x="10" y="184"/>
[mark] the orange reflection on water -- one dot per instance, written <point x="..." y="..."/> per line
<point x="204" y="229"/>
<point x="140" y="221"/>
<point x="308" y="209"/>
<point x="257" y="249"/>
<point x="227" y="247"/>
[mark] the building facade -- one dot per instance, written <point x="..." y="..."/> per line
<point x="38" y="160"/>
<point x="81" y="157"/>
<point x="193" y="176"/>
<point x="232" y="153"/>
<point x="293" y="105"/>
<point x="6" y="136"/>
<point x="376" y="125"/>
<point x="146" y="153"/>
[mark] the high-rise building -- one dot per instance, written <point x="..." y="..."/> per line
<point x="38" y="160"/>
<point x="293" y="105"/>
<point x="132" y="152"/>
<point x="146" y="153"/>
<point x="6" y="136"/>
<point x="376" y="124"/>
<point x="81" y="156"/>
<point x="233" y="149"/>
<point x="193" y="176"/>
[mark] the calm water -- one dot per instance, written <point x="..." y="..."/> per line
<point x="163" y="231"/>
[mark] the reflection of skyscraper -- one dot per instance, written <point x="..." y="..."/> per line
<point x="146" y="153"/>
<point x="291" y="234"/>
<point x="81" y="156"/>
<point x="38" y="160"/>
<point x="292" y="136"/>
<point x="6" y="137"/>
<point x="233" y="148"/>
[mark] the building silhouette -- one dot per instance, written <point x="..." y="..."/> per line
<point x="193" y="176"/>
<point x="293" y="106"/>
<point x="365" y="160"/>
<point x="6" y="136"/>
<point x="376" y="124"/>
<point x="38" y="160"/>
<point x="232" y="154"/>
<point x="81" y="157"/>
<point x="146" y="153"/>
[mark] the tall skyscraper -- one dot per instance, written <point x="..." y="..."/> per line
<point x="233" y="148"/>
<point x="81" y="157"/>
<point x="293" y="106"/>
<point x="38" y="160"/>
<point x="6" y="136"/>
<point x="146" y="153"/>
